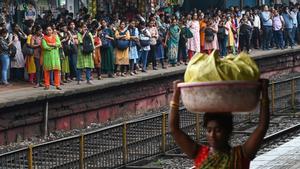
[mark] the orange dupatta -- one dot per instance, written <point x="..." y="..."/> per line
<point x="50" y="40"/>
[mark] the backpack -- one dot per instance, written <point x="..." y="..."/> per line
<point x="209" y="35"/>
<point x="87" y="44"/>
<point x="221" y="33"/>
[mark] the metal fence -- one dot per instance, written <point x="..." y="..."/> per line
<point x="119" y="145"/>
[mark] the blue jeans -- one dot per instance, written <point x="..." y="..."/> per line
<point x="87" y="74"/>
<point x="73" y="64"/>
<point x="279" y="38"/>
<point x="294" y="33"/>
<point x="39" y="71"/>
<point x="289" y="37"/>
<point x="267" y="36"/>
<point x="223" y="46"/>
<point x="5" y="60"/>
<point x="144" y="58"/>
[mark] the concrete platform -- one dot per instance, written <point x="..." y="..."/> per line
<point x="286" y="156"/>
<point x="20" y="93"/>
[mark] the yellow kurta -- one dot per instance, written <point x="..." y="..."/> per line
<point x="30" y="65"/>
<point x="122" y="56"/>
<point x="230" y="36"/>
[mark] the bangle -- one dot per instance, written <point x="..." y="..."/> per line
<point x="174" y="107"/>
<point x="174" y="104"/>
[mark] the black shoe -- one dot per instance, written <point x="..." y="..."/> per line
<point x="110" y="75"/>
<point x="58" y="88"/>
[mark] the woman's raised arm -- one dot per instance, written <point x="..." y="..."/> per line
<point x="254" y="142"/>
<point x="187" y="145"/>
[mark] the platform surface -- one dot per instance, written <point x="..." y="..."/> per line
<point x="286" y="156"/>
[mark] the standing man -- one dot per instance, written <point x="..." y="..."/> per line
<point x="256" y="40"/>
<point x="266" y="17"/>
<point x="294" y="13"/>
<point x="30" y="13"/>
<point x="288" y="20"/>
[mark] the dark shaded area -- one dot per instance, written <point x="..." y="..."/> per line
<point x="189" y="5"/>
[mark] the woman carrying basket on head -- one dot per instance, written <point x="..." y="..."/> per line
<point x="218" y="154"/>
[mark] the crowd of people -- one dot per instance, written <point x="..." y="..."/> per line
<point x="54" y="51"/>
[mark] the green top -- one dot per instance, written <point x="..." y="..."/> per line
<point x="84" y="60"/>
<point x="51" y="58"/>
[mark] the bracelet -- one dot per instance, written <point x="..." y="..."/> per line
<point x="174" y="107"/>
<point x="174" y="104"/>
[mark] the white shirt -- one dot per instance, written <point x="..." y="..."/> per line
<point x="145" y="35"/>
<point x="256" y="22"/>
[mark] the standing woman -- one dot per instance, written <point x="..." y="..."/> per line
<point x="153" y="43"/>
<point x="51" y="58"/>
<point x="231" y="40"/>
<point x="84" y="60"/>
<point x="5" y="42"/>
<point x="145" y="45"/>
<point x="203" y="25"/>
<point x="73" y="49"/>
<point x="185" y="34"/>
<point x="172" y="41"/>
<point x="107" y="55"/>
<point x="212" y="28"/>
<point x="18" y="63"/>
<point x="194" y="43"/>
<point x="133" y="53"/>
<point x="97" y="53"/>
<point x="122" y="55"/>
<point x="64" y="53"/>
<point x="29" y="57"/>
<point x="36" y="43"/>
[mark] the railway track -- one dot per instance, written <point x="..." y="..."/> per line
<point x="123" y="144"/>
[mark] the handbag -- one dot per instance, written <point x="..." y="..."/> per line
<point x="12" y="51"/>
<point x="122" y="44"/>
<point x="144" y="41"/>
<point x="73" y="47"/>
<point x="189" y="33"/>
<point x="105" y="42"/>
<point x="27" y="50"/>
<point x="62" y="54"/>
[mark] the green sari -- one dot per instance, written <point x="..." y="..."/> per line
<point x="173" y="41"/>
